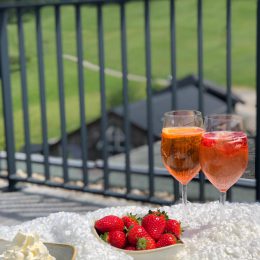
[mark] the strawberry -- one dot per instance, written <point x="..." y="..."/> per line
<point x="109" y="223"/>
<point x="130" y="220"/>
<point x="130" y="248"/>
<point x="154" y="224"/>
<point x="145" y="243"/>
<point x="115" y="238"/>
<point x="174" y="227"/>
<point x="166" y="240"/>
<point x="159" y="213"/>
<point x="208" y="142"/>
<point x="134" y="233"/>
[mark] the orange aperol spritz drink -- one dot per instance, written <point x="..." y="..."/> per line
<point x="181" y="136"/>
<point x="180" y="152"/>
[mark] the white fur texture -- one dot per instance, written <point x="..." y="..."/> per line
<point x="211" y="231"/>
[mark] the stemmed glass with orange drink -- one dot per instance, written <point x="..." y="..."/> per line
<point x="181" y="137"/>
<point x="223" y="151"/>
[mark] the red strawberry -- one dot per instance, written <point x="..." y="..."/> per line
<point x="154" y="225"/>
<point x="115" y="238"/>
<point x="130" y="248"/>
<point x="208" y="140"/>
<point x="145" y="243"/>
<point x="134" y="233"/>
<point x="173" y="226"/>
<point x="159" y="213"/>
<point x="166" y="240"/>
<point x="109" y="223"/>
<point x="130" y="220"/>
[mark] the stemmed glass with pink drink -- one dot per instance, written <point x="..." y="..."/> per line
<point x="223" y="151"/>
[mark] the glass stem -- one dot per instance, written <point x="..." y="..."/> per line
<point x="184" y="194"/>
<point x="222" y="198"/>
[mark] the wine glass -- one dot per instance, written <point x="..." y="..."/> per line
<point x="223" y="151"/>
<point x="181" y="136"/>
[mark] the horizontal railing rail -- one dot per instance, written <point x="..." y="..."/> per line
<point x="74" y="163"/>
<point x="43" y="3"/>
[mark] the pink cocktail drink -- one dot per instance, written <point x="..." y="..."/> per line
<point x="223" y="157"/>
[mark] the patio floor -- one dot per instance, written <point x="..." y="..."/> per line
<point x="33" y="201"/>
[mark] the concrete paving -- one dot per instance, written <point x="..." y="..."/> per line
<point x="247" y="110"/>
<point x="33" y="201"/>
<point x="37" y="201"/>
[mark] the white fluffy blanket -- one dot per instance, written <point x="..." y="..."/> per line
<point x="211" y="231"/>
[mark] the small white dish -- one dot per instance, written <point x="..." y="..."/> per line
<point x="59" y="251"/>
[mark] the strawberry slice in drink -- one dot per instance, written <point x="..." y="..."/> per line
<point x="208" y="139"/>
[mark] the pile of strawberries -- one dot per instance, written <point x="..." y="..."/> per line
<point x="152" y="231"/>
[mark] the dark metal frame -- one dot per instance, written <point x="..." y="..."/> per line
<point x="257" y="157"/>
<point x="84" y="164"/>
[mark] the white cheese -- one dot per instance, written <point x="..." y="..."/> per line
<point x="26" y="247"/>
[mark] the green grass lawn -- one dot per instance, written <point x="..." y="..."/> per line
<point x="243" y="61"/>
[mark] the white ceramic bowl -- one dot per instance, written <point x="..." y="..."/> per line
<point x="163" y="253"/>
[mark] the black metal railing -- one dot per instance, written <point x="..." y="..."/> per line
<point x="257" y="150"/>
<point x="84" y="165"/>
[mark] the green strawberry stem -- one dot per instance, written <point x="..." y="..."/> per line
<point x="104" y="237"/>
<point x="142" y="243"/>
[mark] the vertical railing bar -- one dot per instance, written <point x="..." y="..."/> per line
<point x="174" y="77"/>
<point x="61" y="93"/>
<point x="42" y="93"/>
<point x="102" y="95"/>
<point x="228" y="68"/>
<point x="83" y="129"/>
<point x="149" y="96"/>
<point x="2" y="114"/>
<point x="257" y="149"/>
<point x="7" y="99"/>
<point x="125" y="96"/>
<point x="24" y="92"/>
<point x="228" y="57"/>
<point x="173" y="55"/>
<point x="200" y="84"/>
<point x="200" y="56"/>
